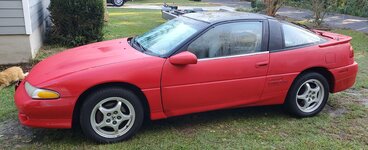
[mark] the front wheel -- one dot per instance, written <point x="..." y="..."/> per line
<point x="118" y="3"/>
<point x="308" y="95"/>
<point x="111" y="115"/>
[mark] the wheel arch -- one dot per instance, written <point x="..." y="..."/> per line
<point x="124" y="85"/>
<point x="324" y="72"/>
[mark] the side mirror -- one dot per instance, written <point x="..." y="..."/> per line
<point x="183" y="58"/>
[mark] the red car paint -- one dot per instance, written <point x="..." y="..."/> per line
<point x="172" y="90"/>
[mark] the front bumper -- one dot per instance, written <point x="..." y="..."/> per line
<point x="344" y="77"/>
<point x="43" y="113"/>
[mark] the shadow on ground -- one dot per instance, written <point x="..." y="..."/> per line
<point x="14" y="135"/>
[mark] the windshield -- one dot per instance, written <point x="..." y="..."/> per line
<point x="166" y="37"/>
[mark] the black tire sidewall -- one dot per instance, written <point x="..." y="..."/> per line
<point x="291" y="103"/>
<point x="91" y="101"/>
<point x="117" y="5"/>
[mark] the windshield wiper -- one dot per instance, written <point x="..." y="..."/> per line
<point x="135" y="42"/>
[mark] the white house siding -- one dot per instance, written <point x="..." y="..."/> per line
<point x="39" y="22"/>
<point x="11" y="17"/>
<point x="22" y="29"/>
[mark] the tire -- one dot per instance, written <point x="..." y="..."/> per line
<point x="307" y="95"/>
<point x="111" y="115"/>
<point x="118" y="3"/>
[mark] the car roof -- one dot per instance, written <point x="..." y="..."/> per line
<point x="214" y="17"/>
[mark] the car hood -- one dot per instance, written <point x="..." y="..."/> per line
<point x="82" y="58"/>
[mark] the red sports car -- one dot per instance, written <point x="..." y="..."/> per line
<point x="197" y="62"/>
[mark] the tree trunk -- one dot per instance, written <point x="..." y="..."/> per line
<point x="320" y="8"/>
<point x="106" y="15"/>
<point x="272" y="6"/>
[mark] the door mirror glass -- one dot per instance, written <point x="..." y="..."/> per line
<point x="184" y="58"/>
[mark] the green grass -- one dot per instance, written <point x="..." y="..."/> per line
<point x="131" y="22"/>
<point x="7" y="104"/>
<point x="342" y="125"/>
<point x="170" y="2"/>
<point x="251" y="128"/>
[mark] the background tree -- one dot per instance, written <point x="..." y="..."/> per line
<point x="272" y="6"/>
<point x="320" y="9"/>
<point x="106" y="15"/>
<point x="269" y="7"/>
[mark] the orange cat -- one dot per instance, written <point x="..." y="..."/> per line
<point x="10" y="75"/>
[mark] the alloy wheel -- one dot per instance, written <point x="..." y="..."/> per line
<point x="112" y="117"/>
<point x="310" y="95"/>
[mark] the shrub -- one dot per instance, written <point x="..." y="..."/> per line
<point x="258" y="5"/>
<point x="253" y="3"/>
<point x="76" y="22"/>
<point x="320" y="9"/>
<point x="355" y="7"/>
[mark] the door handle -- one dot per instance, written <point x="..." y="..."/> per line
<point x="261" y="64"/>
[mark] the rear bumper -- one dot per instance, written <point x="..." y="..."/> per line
<point x="344" y="77"/>
<point x="43" y="113"/>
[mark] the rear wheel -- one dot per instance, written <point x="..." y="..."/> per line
<point x="111" y="115"/>
<point x="118" y="3"/>
<point x="308" y="95"/>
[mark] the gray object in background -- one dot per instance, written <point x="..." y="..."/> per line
<point x="171" y="12"/>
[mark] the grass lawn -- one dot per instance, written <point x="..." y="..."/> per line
<point x="131" y="22"/>
<point x="7" y="105"/>
<point x="170" y="2"/>
<point x="343" y="124"/>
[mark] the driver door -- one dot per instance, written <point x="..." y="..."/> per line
<point x="231" y="70"/>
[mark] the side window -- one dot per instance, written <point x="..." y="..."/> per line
<point x="296" y="36"/>
<point x="229" y="39"/>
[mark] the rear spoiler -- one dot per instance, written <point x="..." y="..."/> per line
<point x="336" y="38"/>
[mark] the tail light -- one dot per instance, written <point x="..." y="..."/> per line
<point x="351" y="52"/>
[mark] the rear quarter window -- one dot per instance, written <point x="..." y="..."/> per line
<point x="297" y="36"/>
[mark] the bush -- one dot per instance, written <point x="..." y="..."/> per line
<point x="258" y="5"/>
<point x="354" y="7"/>
<point x="320" y="9"/>
<point x="76" y="22"/>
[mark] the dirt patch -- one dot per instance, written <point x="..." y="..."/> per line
<point x="187" y="131"/>
<point x="14" y="135"/>
<point x="363" y="102"/>
<point x="361" y="96"/>
<point x="335" y="112"/>
<point x="354" y="92"/>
